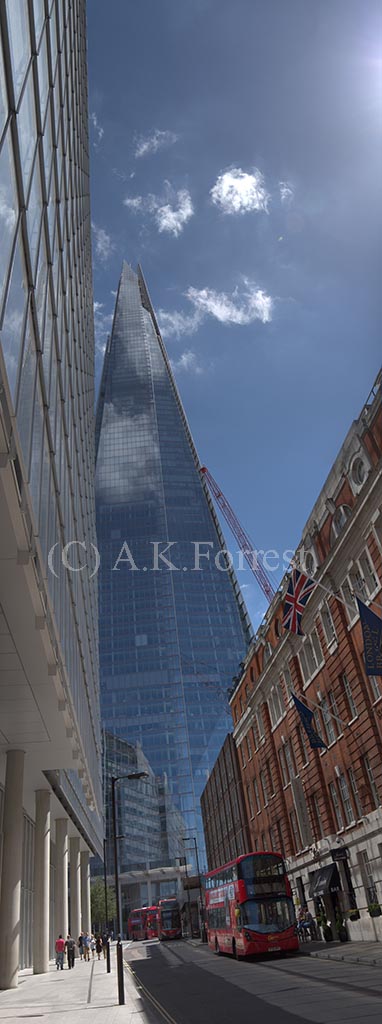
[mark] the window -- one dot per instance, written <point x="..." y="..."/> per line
<point x="264" y="787"/>
<point x="358" y="472"/>
<point x="289" y="760"/>
<point x="250" y="802"/>
<point x="268" y="651"/>
<point x="264" y="841"/>
<point x="354" y="789"/>
<point x="331" y="735"/>
<point x="276" y="704"/>
<point x="350" y="601"/>
<point x="243" y="761"/>
<point x="328" y="625"/>
<point x="317" y="815"/>
<point x="370" y="778"/>
<point x="259" y="723"/>
<point x="280" y="837"/>
<point x="349" y="696"/>
<point x="247" y="691"/>
<point x="252" y="674"/>
<point x="363" y="578"/>
<point x="295" y="831"/>
<point x="249" y="747"/>
<point x="336" y="805"/>
<point x="347" y="804"/>
<point x="375" y="686"/>
<point x="368" y="878"/>
<point x="257" y="795"/>
<point x="310" y="656"/>
<point x="270" y="777"/>
<point x="284" y="772"/>
<point x="288" y="680"/>
<point x="235" y="713"/>
<point x="340" y="518"/>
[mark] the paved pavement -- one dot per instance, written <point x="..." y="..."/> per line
<point x="85" y="995"/>
<point x="369" y="953"/>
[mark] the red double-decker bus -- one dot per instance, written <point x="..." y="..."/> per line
<point x="249" y="907"/>
<point x="169" y="921"/>
<point x="152" y="923"/>
<point x="136" y="924"/>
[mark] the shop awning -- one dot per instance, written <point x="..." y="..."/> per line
<point x="324" y="881"/>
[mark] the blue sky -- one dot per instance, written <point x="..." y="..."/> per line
<point x="236" y="152"/>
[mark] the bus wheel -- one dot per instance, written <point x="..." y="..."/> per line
<point x="217" y="948"/>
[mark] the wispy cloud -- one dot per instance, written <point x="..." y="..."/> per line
<point x="171" y="211"/>
<point x="7" y="212"/>
<point x="174" y="324"/>
<point x="237" y="191"/>
<point x="99" y="131"/>
<point x="146" y="144"/>
<point x="242" y="307"/>
<point x="104" y="246"/>
<point x="102" y="326"/>
<point x="187" y="363"/>
<point x="286" y="193"/>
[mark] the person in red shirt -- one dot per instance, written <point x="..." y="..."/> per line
<point x="60" y="949"/>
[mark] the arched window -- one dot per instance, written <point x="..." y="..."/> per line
<point x="340" y="518"/>
<point x="268" y="651"/>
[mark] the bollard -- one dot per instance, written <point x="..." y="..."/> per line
<point x="108" y="965"/>
<point x="121" y="983"/>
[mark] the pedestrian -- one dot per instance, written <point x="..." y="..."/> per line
<point x="60" y="949"/>
<point x="70" y="947"/>
<point x="99" y="946"/>
<point x="105" y="942"/>
<point x="92" y="945"/>
<point x="85" y="945"/>
<point x="80" y="946"/>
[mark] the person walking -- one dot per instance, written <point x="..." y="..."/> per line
<point x="105" y="942"/>
<point x="70" y="947"/>
<point x="93" y="945"/>
<point x="80" y="945"/>
<point x="60" y="949"/>
<point x="99" y="946"/>
<point x="86" y="945"/>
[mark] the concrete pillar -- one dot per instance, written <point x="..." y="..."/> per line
<point x="11" y="869"/>
<point x="61" y="908"/>
<point x="75" y="888"/>
<point x="86" y="917"/>
<point x="41" y="883"/>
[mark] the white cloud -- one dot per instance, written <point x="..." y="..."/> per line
<point x="97" y="128"/>
<point x="187" y="363"/>
<point x="171" y="211"/>
<point x="241" y="308"/>
<point x="102" y="326"/>
<point x="7" y="212"/>
<point x="236" y="191"/>
<point x="104" y="246"/>
<point x="151" y="143"/>
<point x="286" y="193"/>
<point x="174" y="324"/>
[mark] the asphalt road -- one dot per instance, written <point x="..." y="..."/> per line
<point x="187" y="984"/>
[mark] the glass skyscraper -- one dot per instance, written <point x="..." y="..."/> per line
<point x="50" y="738"/>
<point x="171" y="633"/>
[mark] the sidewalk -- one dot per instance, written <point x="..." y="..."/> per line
<point x="87" y="992"/>
<point x="368" y="953"/>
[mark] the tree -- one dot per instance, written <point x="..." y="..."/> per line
<point x="98" y="908"/>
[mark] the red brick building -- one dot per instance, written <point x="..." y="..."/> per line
<point x="322" y="808"/>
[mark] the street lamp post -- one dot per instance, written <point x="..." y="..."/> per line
<point x="114" y="780"/>
<point x="187" y="839"/>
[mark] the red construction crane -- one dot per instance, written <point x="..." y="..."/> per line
<point x="241" y="536"/>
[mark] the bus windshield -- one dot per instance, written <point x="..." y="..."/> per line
<point x="267" y="915"/>
<point x="169" y="918"/>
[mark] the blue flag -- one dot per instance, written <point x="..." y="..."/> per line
<point x="306" y="716"/>
<point x="372" y="640"/>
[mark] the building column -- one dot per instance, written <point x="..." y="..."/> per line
<point x="75" y="888"/>
<point x="41" y="883"/>
<point x="86" y="917"/>
<point x="61" y="909"/>
<point x="11" y="870"/>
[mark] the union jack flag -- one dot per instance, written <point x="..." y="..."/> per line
<point x="299" y="590"/>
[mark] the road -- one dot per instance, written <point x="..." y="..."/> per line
<point x="187" y="984"/>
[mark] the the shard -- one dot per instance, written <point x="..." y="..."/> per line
<point x="173" y="624"/>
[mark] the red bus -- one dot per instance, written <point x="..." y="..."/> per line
<point x="249" y="907"/>
<point x="152" y="923"/>
<point x="169" y="922"/>
<point x="136" y="924"/>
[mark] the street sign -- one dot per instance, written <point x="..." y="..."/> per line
<point x="340" y="853"/>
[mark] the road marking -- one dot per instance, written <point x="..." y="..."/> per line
<point x="158" y="1006"/>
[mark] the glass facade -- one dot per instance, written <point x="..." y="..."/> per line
<point x="171" y="634"/>
<point x="47" y="345"/>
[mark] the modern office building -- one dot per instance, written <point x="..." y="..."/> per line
<point x="224" y="811"/>
<point x="173" y="625"/>
<point x="50" y="749"/>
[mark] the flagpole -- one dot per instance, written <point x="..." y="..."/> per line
<point x="332" y="593"/>
<point x="331" y="713"/>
